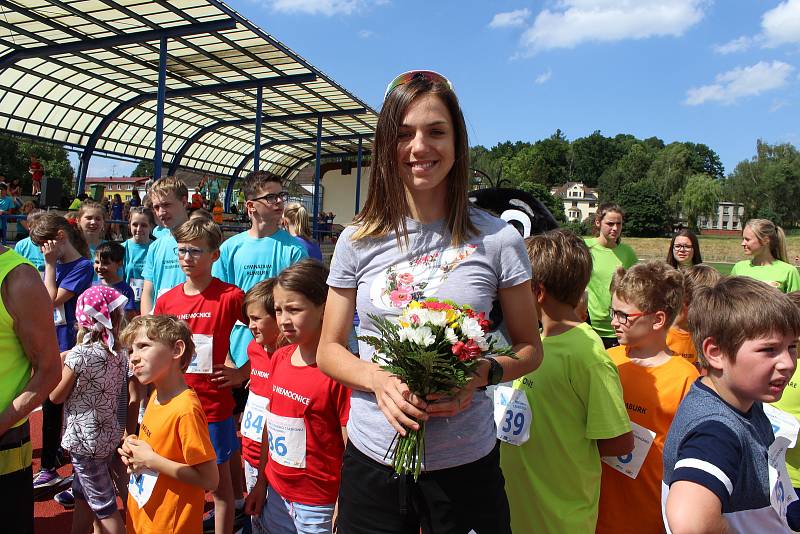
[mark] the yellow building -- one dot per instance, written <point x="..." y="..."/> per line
<point x="117" y="185"/>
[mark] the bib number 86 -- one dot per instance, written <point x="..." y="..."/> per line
<point x="278" y="445"/>
<point x="513" y="420"/>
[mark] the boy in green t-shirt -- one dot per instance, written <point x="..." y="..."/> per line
<point x="571" y="406"/>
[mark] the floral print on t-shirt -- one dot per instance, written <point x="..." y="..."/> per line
<point x="91" y="427"/>
<point x="416" y="278"/>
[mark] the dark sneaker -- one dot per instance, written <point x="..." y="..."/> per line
<point x="65" y="499"/>
<point x="45" y="479"/>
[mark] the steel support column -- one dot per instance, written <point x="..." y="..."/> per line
<point x="257" y="149"/>
<point x="358" y="175"/>
<point x="162" y="91"/>
<point x="317" y="179"/>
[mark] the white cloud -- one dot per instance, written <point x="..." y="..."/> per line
<point x="317" y="7"/>
<point x="781" y="25"/>
<point x="544" y="77"/>
<point x="741" y="82"/>
<point x="740" y="44"/>
<point x="575" y="22"/>
<point x="365" y="34"/>
<point x="510" y="18"/>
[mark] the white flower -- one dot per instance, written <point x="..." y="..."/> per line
<point x="436" y="318"/>
<point x="471" y="328"/>
<point x="450" y="335"/>
<point x="421" y="336"/>
<point x="482" y="343"/>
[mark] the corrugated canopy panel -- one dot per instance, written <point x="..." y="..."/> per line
<point x="96" y="85"/>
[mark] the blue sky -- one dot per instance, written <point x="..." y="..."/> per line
<point x="723" y="73"/>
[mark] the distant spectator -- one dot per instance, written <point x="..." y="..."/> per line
<point x="218" y="212"/>
<point x="197" y="199"/>
<point x="37" y="173"/>
<point x="297" y="223"/>
<point x="6" y="202"/>
<point x="684" y="250"/>
<point x="15" y="191"/>
<point x="136" y="200"/>
<point x="22" y="224"/>
<point x="116" y="215"/>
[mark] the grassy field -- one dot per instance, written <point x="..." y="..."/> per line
<point x="715" y="249"/>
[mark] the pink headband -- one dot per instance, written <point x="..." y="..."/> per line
<point x="93" y="311"/>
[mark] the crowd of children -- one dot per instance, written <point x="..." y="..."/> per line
<point x="666" y="426"/>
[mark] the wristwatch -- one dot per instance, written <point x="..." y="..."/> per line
<point x="495" y="372"/>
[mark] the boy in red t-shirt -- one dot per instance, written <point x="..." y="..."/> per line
<point x="306" y="417"/>
<point x="171" y="463"/>
<point x="259" y="308"/>
<point x="210" y="307"/>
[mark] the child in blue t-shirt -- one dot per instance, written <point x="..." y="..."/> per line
<point x="724" y="469"/>
<point x="108" y="260"/>
<point x="67" y="274"/>
<point x="141" y="224"/>
<point x="161" y="271"/>
<point x="259" y="253"/>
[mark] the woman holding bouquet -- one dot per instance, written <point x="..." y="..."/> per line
<point x="418" y="237"/>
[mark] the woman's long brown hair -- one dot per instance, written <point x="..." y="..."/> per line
<point x="386" y="206"/>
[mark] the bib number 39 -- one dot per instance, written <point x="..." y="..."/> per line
<point x="512" y="414"/>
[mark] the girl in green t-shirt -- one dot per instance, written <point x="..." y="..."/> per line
<point x="607" y="254"/>
<point x="765" y="243"/>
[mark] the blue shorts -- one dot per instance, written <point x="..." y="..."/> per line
<point x="281" y="515"/>
<point x="224" y="439"/>
<point x="793" y="513"/>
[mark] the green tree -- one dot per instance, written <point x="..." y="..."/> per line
<point x="644" y="209"/>
<point x="701" y="194"/>
<point x="630" y="168"/>
<point x="543" y="195"/>
<point x="592" y="155"/>
<point x="768" y="185"/>
<point x="15" y="159"/>
<point x="671" y="168"/>
<point x="144" y="168"/>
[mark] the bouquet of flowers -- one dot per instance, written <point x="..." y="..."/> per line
<point x="434" y="348"/>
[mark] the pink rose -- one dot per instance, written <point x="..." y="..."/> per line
<point x="399" y="298"/>
<point x="405" y="279"/>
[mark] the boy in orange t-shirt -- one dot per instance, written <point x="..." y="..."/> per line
<point x="646" y="298"/>
<point x="172" y="463"/>
<point x="679" y="338"/>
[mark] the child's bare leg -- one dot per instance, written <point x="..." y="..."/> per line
<point x="223" y="500"/>
<point x="112" y="524"/>
<point x="237" y="475"/>
<point x="82" y="517"/>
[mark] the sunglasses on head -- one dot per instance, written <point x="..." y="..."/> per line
<point x="407" y="77"/>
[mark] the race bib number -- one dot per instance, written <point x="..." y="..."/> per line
<point x="512" y="415"/>
<point x="141" y="486"/>
<point x="59" y="315"/>
<point x="287" y="440"/>
<point x="137" y="285"/>
<point x="254" y="417"/>
<point x="630" y="464"/>
<point x="202" y="362"/>
<point x="785" y="428"/>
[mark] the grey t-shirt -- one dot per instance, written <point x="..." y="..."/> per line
<point x="387" y="277"/>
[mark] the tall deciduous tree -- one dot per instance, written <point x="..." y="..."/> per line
<point x="701" y="194"/>
<point x="644" y="209"/>
<point x="143" y="168"/>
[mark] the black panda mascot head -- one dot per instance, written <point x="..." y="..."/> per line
<point x="519" y="209"/>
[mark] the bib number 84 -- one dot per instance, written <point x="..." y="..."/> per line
<point x="256" y="423"/>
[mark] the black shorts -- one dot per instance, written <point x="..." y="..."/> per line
<point x="240" y="399"/>
<point x="372" y="498"/>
